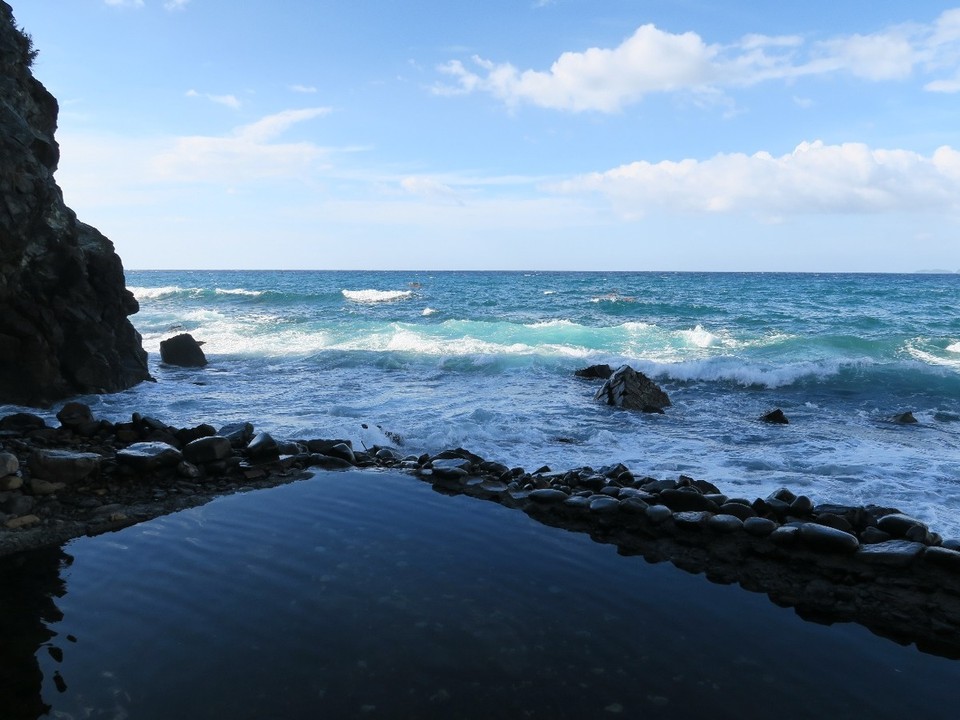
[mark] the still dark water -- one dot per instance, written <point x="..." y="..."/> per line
<point x="368" y="595"/>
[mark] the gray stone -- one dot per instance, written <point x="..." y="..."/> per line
<point x="775" y="417"/>
<point x="328" y="462"/>
<point x="10" y="482"/>
<point x="759" y="527"/>
<point x="182" y="350"/>
<point x="873" y="535"/>
<point x="632" y="390"/>
<point x="451" y="468"/>
<point x="659" y="514"/>
<point x="898" y="524"/>
<point x="595" y="372"/>
<point x="633" y="505"/>
<point x="147" y="456"/>
<point x="691" y="519"/>
<point x="39" y="486"/>
<point x="737" y="510"/>
<point x="18" y="504"/>
<point x="341" y="450"/>
<point x="827" y="539"/>
<point x="604" y="505"/>
<point x="263" y="447"/>
<point x="725" y="523"/>
<point x="9" y="464"/>
<point x="63" y="465"/>
<point x="892" y="553"/>
<point x="577" y="502"/>
<point x="802" y="505"/>
<point x="240" y="433"/>
<point x="943" y="557"/>
<point x="548" y="495"/>
<point x="207" y="449"/>
<point x="784" y="536"/>
<point x="687" y="500"/>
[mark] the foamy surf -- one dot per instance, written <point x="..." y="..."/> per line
<point x="376" y="296"/>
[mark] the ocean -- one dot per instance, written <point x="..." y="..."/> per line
<point x="368" y="594"/>
<point x="427" y="361"/>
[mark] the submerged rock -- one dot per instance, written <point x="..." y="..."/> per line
<point x="775" y="417"/>
<point x="595" y="372"/>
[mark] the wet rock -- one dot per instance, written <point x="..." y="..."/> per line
<point x="943" y="557"/>
<point x="595" y="372"/>
<point x="775" y="417"/>
<point x="743" y="512"/>
<point x="827" y="539"/>
<point x="263" y="447"/>
<point x="905" y="418"/>
<point x="633" y="505"/>
<point x="207" y="450"/>
<point x="783" y="536"/>
<point x="658" y="514"/>
<point x="548" y="495"/>
<point x="341" y="450"/>
<point x="725" y="523"/>
<point x="22" y="521"/>
<point x="10" y="482"/>
<point x="63" y="465"/>
<point x="873" y="535"/>
<point x="802" y="505"/>
<point x="75" y="414"/>
<point x="148" y="456"/>
<point x="691" y="519"/>
<point x="898" y="524"/>
<point x="328" y="462"/>
<point x="604" y="505"/>
<point x="838" y="522"/>
<point x="892" y="553"/>
<point x="632" y="390"/>
<point x="451" y="468"/>
<point x="189" y="470"/>
<point x="182" y="350"/>
<point x="9" y="464"/>
<point x="687" y="500"/>
<point x="45" y="487"/>
<point x="22" y="423"/>
<point x="240" y="433"/>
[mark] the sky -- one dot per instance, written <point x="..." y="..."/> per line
<point x="509" y="134"/>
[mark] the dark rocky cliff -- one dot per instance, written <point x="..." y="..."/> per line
<point x="64" y="306"/>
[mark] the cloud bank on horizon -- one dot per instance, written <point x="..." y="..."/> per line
<point x="511" y="138"/>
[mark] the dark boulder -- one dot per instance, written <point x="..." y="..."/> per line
<point x="775" y="417"/>
<point x="595" y="372"/>
<point x="632" y="390"/>
<point x="64" y="305"/>
<point x="182" y="350"/>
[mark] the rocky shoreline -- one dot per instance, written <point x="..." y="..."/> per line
<point x="872" y="565"/>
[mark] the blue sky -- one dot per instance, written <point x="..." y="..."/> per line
<point x="523" y="134"/>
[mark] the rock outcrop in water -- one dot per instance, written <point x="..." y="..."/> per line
<point x="631" y="390"/>
<point x="64" y="306"/>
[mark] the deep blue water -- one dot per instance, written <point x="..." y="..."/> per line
<point x="366" y="595"/>
<point x="486" y="360"/>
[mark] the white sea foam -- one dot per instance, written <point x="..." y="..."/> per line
<point x="931" y="359"/>
<point x="954" y="347"/>
<point x="153" y="293"/>
<point x="698" y="337"/>
<point x="376" y="296"/>
<point x="745" y="374"/>
<point x="552" y="324"/>
<point x="427" y="312"/>
<point x="238" y="291"/>
<point x="549" y="292"/>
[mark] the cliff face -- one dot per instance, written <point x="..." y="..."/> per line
<point x="64" y="306"/>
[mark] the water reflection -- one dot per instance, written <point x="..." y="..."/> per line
<point x="30" y="585"/>
<point x="367" y="595"/>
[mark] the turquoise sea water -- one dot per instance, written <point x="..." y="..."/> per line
<point x="486" y="360"/>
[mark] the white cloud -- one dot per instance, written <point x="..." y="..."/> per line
<point x="247" y="154"/>
<point x="230" y="101"/>
<point x="124" y="3"/>
<point x="307" y="89"/>
<point x="813" y="179"/>
<point x="652" y="60"/>
<point x="430" y="188"/>
<point x="175" y="4"/>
